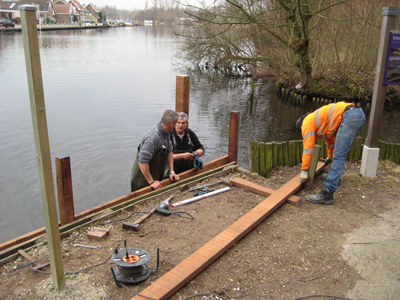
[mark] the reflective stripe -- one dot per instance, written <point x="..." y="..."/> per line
<point x="331" y="146"/>
<point x="330" y="116"/>
<point x="308" y="151"/>
<point x="312" y="133"/>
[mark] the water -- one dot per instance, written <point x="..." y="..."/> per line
<point x="103" y="89"/>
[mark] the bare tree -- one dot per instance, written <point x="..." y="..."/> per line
<point x="246" y="31"/>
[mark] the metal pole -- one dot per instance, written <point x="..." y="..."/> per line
<point x="369" y="163"/>
<point x="38" y="111"/>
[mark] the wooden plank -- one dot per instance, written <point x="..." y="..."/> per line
<point x="176" y="278"/>
<point x="31" y="260"/>
<point x="260" y="189"/>
<point x="42" y="145"/>
<point x="233" y="136"/>
<point x="193" y="172"/>
<point x="220" y="162"/>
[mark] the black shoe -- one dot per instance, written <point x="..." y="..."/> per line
<point x="321" y="198"/>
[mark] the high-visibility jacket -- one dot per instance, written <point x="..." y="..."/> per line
<point x="322" y="123"/>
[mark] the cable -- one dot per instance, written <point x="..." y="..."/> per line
<point x="123" y="285"/>
<point x="206" y="294"/>
<point x="326" y="296"/>
<point x="183" y="212"/>
<point x="123" y="219"/>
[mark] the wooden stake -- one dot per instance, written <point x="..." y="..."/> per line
<point x="36" y="95"/>
<point x="233" y="136"/>
<point x="64" y="189"/>
<point x="182" y="93"/>
<point x="313" y="165"/>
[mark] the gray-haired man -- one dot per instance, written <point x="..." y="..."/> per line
<point x="154" y="154"/>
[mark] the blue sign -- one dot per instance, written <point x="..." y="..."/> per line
<point x="392" y="71"/>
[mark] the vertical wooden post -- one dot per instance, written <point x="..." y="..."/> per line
<point x="182" y="93"/>
<point x="254" y="157"/>
<point x="36" y="95"/>
<point x="64" y="190"/>
<point x="369" y="163"/>
<point x="313" y="164"/>
<point x="233" y="136"/>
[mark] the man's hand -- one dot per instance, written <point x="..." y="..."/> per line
<point x="303" y="176"/>
<point x="187" y="155"/>
<point x="199" y="152"/>
<point x="328" y="160"/>
<point x="173" y="177"/>
<point x="156" y="185"/>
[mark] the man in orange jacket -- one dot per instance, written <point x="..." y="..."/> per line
<point x="337" y="124"/>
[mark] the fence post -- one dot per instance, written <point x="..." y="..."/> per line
<point x="262" y="161"/>
<point x="233" y="136"/>
<point x="64" y="190"/>
<point x="39" y="122"/>
<point x="253" y="157"/>
<point x="182" y="93"/>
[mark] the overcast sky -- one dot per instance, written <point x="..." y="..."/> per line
<point x="123" y="4"/>
<point x="130" y="4"/>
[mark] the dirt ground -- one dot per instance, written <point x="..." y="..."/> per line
<point x="346" y="251"/>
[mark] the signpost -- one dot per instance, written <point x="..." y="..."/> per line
<point x="392" y="70"/>
<point x="370" y="157"/>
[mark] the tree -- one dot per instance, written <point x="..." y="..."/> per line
<point x="246" y="31"/>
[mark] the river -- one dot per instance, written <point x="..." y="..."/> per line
<point x="103" y="89"/>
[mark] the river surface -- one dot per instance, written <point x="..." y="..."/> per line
<point x="103" y="89"/>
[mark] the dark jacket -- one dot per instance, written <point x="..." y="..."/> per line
<point x="188" y="143"/>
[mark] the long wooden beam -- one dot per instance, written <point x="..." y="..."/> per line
<point x="260" y="189"/>
<point x="166" y="182"/>
<point x="176" y="278"/>
<point x="193" y="172"/>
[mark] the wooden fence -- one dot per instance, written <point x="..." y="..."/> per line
<point x="263" y="157"/>
<point x="311" y="102"/>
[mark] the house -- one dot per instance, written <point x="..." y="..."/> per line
<point x="93" y="11"/>
<point x="63" y="12"/>
<point x="79" y="11"/>
<point x="10" y="10"/>
<point x="4" y="12"/>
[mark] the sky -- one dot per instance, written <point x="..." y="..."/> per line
<point x="123" y="4"/>
<point x="129" y="4"/>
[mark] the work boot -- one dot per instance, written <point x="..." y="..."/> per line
<point x="321" y="198"/>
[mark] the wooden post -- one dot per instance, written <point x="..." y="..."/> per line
<point x="182" y="93"/>
<point x="262" y="161"/>
<point x="313" y="164"/>
<point x="369" y="164"/>
<point x="253" y="157"/>
<point x="268" y="158"/>
<point x="234" y="136"/>
<point x="36" y="95"/>
<point x="64" y="189"/>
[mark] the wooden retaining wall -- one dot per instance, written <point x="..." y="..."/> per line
<point x="313" y="102"/>
<point x="263" y="157"/>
